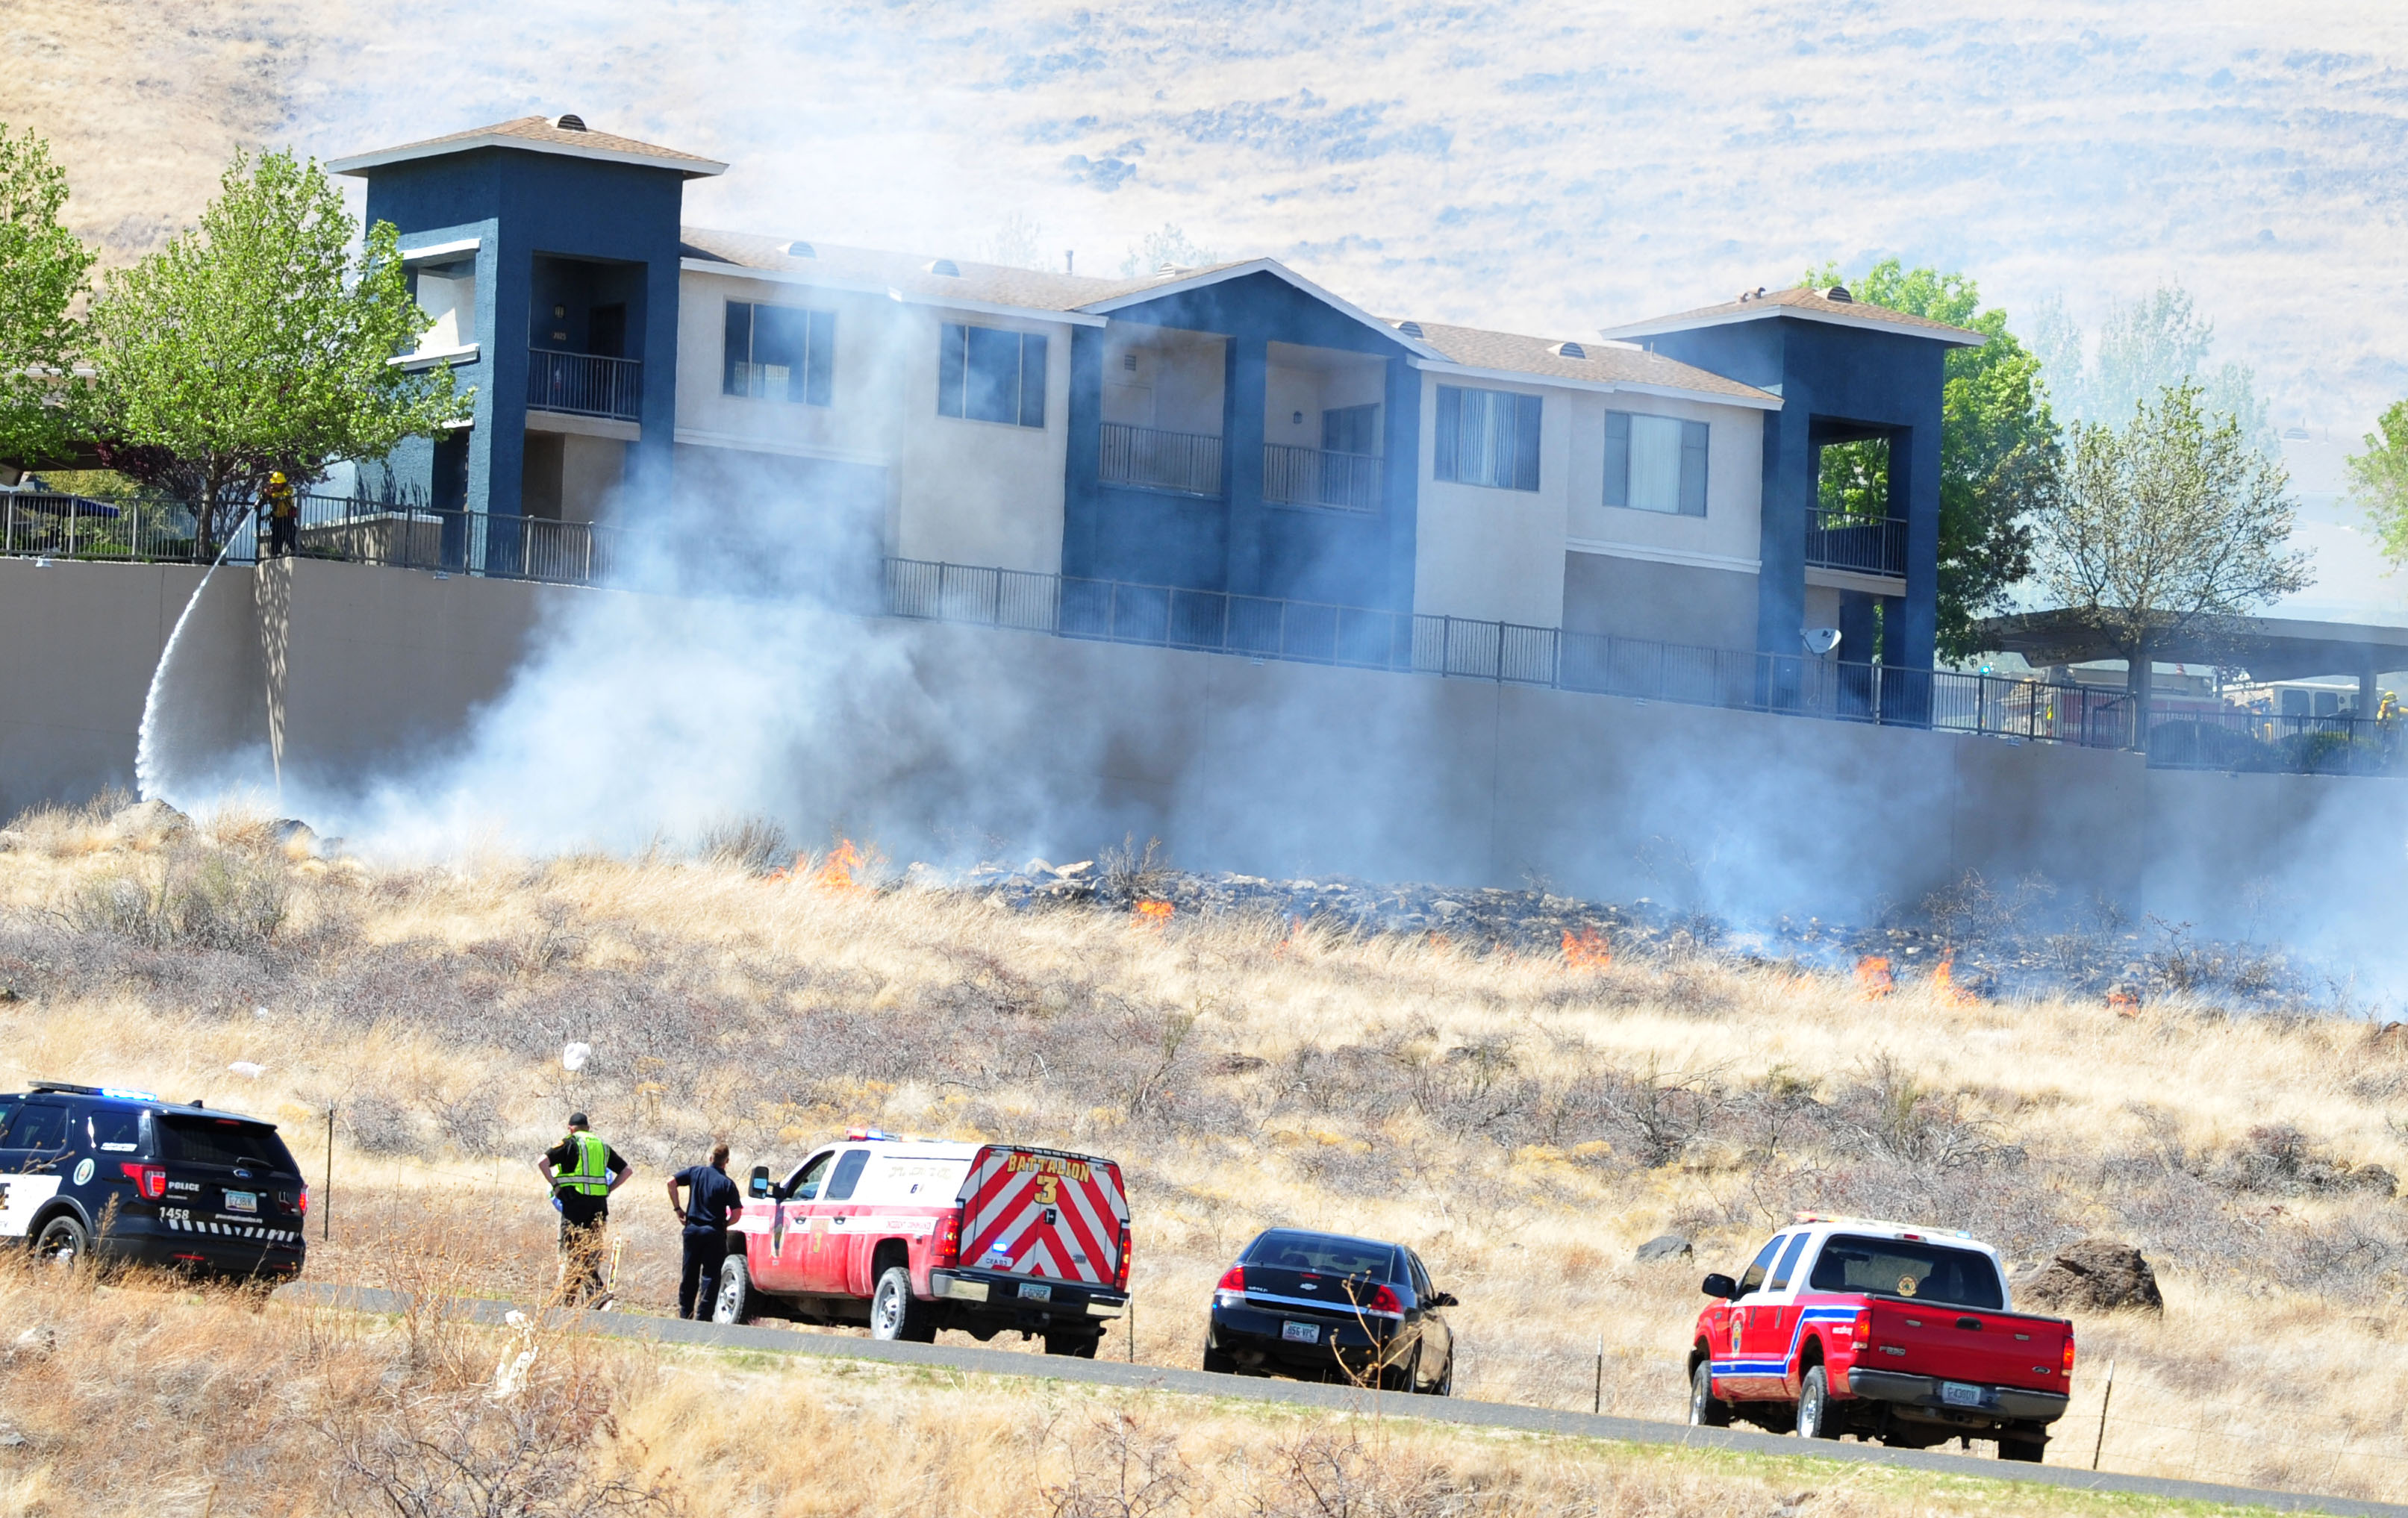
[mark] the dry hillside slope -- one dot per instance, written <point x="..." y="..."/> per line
<point x="1525" y="1121"/>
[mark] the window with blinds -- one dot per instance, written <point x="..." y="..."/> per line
<point x="780" y="353"/>
<point x="984" y="374"/>
<point x="1655" y="463"/>
<point x="1488" y="437"/>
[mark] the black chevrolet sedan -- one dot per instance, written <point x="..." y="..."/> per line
<point x="1327" y="1307"/>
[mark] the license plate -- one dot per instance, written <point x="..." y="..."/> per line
<point x="242" y="1201"/>
<point x="1302" y="1333"/>
<point x="1957" y="1395"/>
<point x="1031" y="1291"/>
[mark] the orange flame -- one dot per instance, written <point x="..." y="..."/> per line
<point x="1587" y="952"/>
<point x="1155" y="914"/>
<point x="1943" y="983"/>
<point x="835" y="871"/>
<point x="2125" y="1003"/>
<point x="1873" y="977"/>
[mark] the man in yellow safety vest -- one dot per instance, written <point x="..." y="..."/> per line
<point x="582" y="1171"/>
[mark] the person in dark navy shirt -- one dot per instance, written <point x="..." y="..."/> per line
<point x="712" y="1200"/>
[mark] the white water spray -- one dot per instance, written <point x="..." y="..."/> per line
<point x="146" y="759"/>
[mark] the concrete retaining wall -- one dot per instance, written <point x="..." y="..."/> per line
<point x="1012" y="740"/>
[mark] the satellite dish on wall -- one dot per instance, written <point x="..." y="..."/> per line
<point x="1820" y="641"/>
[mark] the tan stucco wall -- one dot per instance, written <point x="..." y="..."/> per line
<point x="1269" y="768"/>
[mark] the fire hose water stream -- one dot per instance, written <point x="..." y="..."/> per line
<point x="147" y="779"/>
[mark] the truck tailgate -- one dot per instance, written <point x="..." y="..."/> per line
<point x="1967" y="1344"/>
<point x="1044" y="1214"/>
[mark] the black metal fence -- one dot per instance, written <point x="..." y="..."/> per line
<point x="1836" y="540"/>
<point x="585" y="384"/>
<point x="1465" y="648"/>
<point x="1263" y="627"/>
<point x="1317" y="477"/>
<point x="1151" y="458"/>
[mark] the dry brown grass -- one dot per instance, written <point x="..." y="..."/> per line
<point x="141" y="1396"/>
<point x="1523" y="1122"/>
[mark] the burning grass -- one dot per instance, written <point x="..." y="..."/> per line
<point x="1524" y="1117"/>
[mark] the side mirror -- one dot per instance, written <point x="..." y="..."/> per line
<point x="1721" y="1286"/>
<point x="760" y="1186"/>
<point x="1443" y="1299"/>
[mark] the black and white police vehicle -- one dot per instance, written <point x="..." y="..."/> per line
<point x="122" y="1176"/>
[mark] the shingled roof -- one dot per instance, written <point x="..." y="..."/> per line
<point x="1594" y="363"/>
<point x="1831" y="304"/>
<point x="975" y="285"/>
<point x="542" y="135"/>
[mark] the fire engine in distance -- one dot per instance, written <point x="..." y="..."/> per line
<point x="1904" y="1335"/>
<point x="911" y="1235"/>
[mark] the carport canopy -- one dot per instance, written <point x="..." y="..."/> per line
<point x="2269" y="648"/>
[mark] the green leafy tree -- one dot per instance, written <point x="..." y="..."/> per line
<point x="2163" y="522"/>
<point x="259" y="342"/>
<point x="1998" y="448"/>
<point x="2157" y="341"/>
<point x="2378" y="480"/>
<point x="42" y="270"/>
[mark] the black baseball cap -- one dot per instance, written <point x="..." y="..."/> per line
<point x="577" y="1120"/>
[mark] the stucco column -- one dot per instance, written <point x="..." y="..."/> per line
<point x="1082" y="466"/>
<point x="1781" y="576"/>
<point x="1401" y="444"/>
<point x="1247" y="378"/>
<point x="1914" y="494"/>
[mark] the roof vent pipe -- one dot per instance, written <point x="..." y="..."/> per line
<point x="1838" y="293"/>
<point x="570" y="123"/>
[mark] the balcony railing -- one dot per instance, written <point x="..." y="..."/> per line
<point x="584" y="384"/>
<point x="1149" y="458"/>
<point x="1316" y="477"/>
<point x="1835" y="540"/>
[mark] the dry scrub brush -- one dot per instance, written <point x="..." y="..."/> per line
<point x="1524" y="1122"/>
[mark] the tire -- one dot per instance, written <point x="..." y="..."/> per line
<point x="1816" y="1417"/>
<point x="895" y="1314"/>
<point x="1706" y="1410"/>
<point x="1445" y="1385"/>
<point x="1077" y="1345"/>
<point x="1216" y="1362"/>
<point x="736" y="1301"/>
<point x="2027" y="1450"/>
<point x="63" y="1242"/>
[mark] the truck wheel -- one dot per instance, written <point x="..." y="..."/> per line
<point x="1816" y="1417"/>
<point x="63" y="1242"/>
<point x="1077" y="1345"/>
<point x="734" y="1302"/>
<point x="1216" y="1362"/>
<point x="2028" y="1449"/>
<point x="1706" y="1410"/>
<point x="894" y="1313"/>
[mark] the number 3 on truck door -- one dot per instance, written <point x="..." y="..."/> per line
<point x="1049" y="1188"/>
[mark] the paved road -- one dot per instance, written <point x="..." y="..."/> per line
<point x="1391" y="1404"/>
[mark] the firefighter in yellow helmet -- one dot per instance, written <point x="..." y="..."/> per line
<point x="283" y="515"/>
<point x="582" y="1171"/>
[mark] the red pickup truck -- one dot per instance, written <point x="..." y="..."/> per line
<point x="911" y="1236"/>
<point x="1890" y="1332"/>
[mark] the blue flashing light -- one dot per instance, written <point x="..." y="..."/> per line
<point x="128" y="1094"/>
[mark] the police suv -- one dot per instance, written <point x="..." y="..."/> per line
<point x="125" y="1177"/>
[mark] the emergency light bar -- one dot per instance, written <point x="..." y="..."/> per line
<point x="1911" y="1230"/>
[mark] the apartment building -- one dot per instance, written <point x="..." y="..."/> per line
<point x="1234" y="428"/>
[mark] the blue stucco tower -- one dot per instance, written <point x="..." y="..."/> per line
<point x="1845" y="372"/>
<point x="548" y="253"/>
